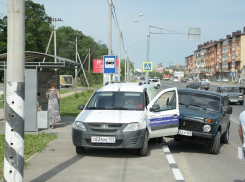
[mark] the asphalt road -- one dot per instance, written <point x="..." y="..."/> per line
<point x="193" y="159"/>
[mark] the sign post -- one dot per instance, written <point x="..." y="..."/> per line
<point x="109" y="64"/>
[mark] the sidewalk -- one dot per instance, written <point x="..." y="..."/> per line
<point x="59" y="162"/>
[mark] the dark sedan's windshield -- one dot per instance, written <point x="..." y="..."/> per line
<point x="229" y="90"/>
<point x="116" y="101"/>
<point x="199" y="100"/>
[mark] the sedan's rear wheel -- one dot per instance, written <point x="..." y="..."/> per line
<point x="241" y="103"/>
<point x="158" y="86"/>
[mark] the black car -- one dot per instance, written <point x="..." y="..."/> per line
<point x="199" y="85"/>
<point x="184" y="80"/>
<point x="204" y="118"/>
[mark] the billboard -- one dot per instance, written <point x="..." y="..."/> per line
<point x="98" y="65"/>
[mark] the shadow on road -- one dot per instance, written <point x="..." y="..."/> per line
<point x="120" y="153"/>
<point x="56" y="170"/>
<point x="188" y="147"/>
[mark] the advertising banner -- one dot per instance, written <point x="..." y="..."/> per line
<point x="98" y="66"/>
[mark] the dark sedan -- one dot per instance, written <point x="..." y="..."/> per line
<point x="184" y="80"/>
<point x="199" y="85"/>
<point x="233" y="94"/>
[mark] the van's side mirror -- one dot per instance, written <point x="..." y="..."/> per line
<point x="229" y="110"/>
<point x="80" y="107"/>
<point x="155" y="107"/>
<point x="167" y="101"/>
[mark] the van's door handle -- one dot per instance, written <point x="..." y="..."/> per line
<point x="175" y="115"/>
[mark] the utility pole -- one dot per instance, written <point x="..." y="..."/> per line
<point x="15" y="104"/>
<point x="54" y="19"/>
<point x="89" y="60"/>
<point x="119" y="56"/>
<point x="147" y="53"/>
<point x="76" y="65"/>
<point x="106" y="77"/>
<point x="47" y="47"/>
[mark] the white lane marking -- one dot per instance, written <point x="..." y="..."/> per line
<point x="177" y="174"/>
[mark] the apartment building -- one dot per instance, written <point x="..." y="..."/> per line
<point x="190" y="64"/>
<point x="217" y="58"/>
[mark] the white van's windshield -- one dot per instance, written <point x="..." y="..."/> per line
<point x="116" y="101"/>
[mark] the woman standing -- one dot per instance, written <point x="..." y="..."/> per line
<point x="53" y="95"/>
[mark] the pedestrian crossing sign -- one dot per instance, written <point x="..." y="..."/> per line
<point x="147" y="67"/>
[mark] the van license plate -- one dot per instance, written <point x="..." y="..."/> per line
<point x="99" y="139"/>
<point x="184" y="132"/>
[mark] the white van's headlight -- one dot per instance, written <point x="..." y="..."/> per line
<point x="79" y="126"/>
<point x="132" y="127"/>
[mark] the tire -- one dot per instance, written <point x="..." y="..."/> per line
<point x="186" y="87"/>
<point x="215" y="144"/>
<point x="225" y="137"/>
<point x="158" y="86"/>
<point x="144" y="149"/>
<point x="177" y="138"/>
<point x="206" y="88"/>
<point x="241" y="103"/>
<point x="80" y="150"/>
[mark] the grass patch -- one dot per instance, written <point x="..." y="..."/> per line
<point x="68" y="105"/>
<point x="1" y="102"/>
<point x="33" y="144"/>
<point x="65" y="91"/>
<point x="97" y="85"/>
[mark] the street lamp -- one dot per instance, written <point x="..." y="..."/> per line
<point x="125" y="59"/>
<point x="120" y="38"/>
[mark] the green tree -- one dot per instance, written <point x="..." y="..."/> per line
<point x="37" y="27"/>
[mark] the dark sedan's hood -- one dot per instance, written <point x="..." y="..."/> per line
<point x="192" y="112"/>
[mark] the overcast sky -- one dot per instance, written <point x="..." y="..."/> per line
<point x="216" y="18"/>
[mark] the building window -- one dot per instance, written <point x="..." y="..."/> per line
<point x="218" y="45"/>
<point x="233" y="39"/>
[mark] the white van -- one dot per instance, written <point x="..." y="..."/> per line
<point x="126" y="115"/>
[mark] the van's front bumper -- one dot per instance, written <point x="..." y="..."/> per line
<point x="132" y="139"/>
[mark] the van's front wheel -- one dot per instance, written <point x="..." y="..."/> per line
<point x="144" y="149"/>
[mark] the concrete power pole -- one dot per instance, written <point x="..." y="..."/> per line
<point x="106" y="77"/>
<point x="76" y="65"/>
<point x="14" y="111"/>
<point x="147" y="53"/>
<point x="119" y="56"/>
<point x="54" y="19"/>
<point x="89" y="60"/>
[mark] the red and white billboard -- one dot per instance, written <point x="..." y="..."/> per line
<point x="98" y="65"/>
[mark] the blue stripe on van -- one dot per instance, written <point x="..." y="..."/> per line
<point x="163" y="121"/>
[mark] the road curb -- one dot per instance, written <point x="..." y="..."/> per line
<point x="177" y="174"/>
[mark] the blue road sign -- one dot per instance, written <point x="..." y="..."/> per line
<point x="147" y="67"/>
<point x="110" y="64"/>
<point x="232" y="74"/>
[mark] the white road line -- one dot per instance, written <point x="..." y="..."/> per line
<point x="177" y="174"/>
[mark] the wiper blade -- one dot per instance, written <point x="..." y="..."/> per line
<point x="197" y="106"/>
<point x="183" y="104"/>
<point x="120" y="108"/>
<point x="96" y="108"/>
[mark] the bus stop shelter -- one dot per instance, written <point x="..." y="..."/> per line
<point x="37" y="81"/>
